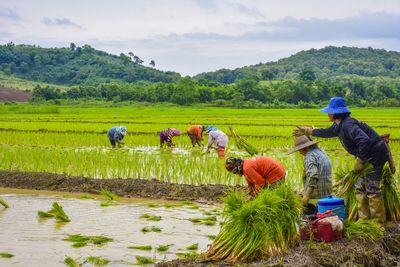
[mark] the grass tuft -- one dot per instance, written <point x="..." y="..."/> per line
<point x="141" y="247"/>
<point x="79" y="240"/>
<point x="97" y="261"/>
<point x="57" y="212"/>
<point x="144" y="260"/>
<point x="6" y="255"/>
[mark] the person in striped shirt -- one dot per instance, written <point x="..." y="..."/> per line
<point x="195" y="133"/>
<point x="166" y="136"/>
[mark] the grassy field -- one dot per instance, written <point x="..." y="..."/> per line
<point x="72" y="140"/>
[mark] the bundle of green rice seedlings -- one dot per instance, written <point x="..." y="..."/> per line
<point x="4" y="203"/>
<point x="344" y="187"/>
<point x="263" y="227"/>
<point x="57" y="212"/>
<point x="6" y="255"/>
<point x="242" y="144"/>
<point x="79" y="240"/>
<point x="363" y="229"/>
<point x="97" y="261"/>
<point x="144" y="260"/>
<point x="70" y="262"/>
<point x="390" y="194"/>
<point x="110" y="198"/>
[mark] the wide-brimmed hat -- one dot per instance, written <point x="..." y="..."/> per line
<point x="336" y="105"/>
<point x="301" y="142"/>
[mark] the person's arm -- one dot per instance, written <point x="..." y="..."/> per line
<point x="255" y="179"/>
<point x="362" y="141"/>
<point x="311" y="172"/>
<point x="325" y="132"/>
<point x="169" y="138"/>
<point x="117" y="137"/>
<point x="210" y="141"/>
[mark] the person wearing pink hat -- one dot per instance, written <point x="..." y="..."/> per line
<point x="166" y="136"/>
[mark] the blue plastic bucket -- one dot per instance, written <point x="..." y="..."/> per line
<point x="332" y="203"/>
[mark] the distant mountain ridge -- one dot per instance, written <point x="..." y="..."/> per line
<point x="77" y="65"/>
<point x="324" y="63"/>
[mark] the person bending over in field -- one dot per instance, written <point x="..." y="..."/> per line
<point x="317" y="168"/>
<point x="166" y="136"/>
<point x="195" y="133"/>
<point x="218" y="138"/>
<point x="116" y="134"/>
<point x="366" y="145"/>
<point x="260" y="172"/>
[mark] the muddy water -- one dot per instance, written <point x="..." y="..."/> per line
<point x="38" y="242"/>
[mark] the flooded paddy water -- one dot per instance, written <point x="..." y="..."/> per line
<point x="39" y="242"/>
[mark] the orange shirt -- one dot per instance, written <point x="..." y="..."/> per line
<point x="195" y="130"/>
<point x="260" y="171"/>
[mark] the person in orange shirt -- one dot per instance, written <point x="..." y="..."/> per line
<point x="195" y="133"/>
<point x="259" y="172"/>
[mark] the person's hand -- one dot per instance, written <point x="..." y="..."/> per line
<point x="302" y="130"/>
<point x="358" y="165"/>
<point x="122" y="143"/>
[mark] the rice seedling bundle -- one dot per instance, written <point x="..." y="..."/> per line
<point x="4" y="203"/>
<point x="144" y="260"/>
<point x="141" y="247"/>
<point x="242" y="144"/>
<point x="57" y="212"/>
<point x="150" y="217"/>
<point x="6" y="255"/>
<point x="79" y="240"/>
<point x="97" y="261"/>
<point x="390" y="194"/>
<point x="70" y="262"/>
<point x="363" y="228"/>
<point x="163" y="248"/>
<point x="263" y="227"/>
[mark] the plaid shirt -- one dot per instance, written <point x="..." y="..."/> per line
<point x="317" y="173"/>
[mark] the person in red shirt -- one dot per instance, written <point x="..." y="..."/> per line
<point x="195" y="133"/>
<point x="259" y="172"/>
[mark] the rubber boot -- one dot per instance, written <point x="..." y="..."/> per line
<point x="377" y="209"/>
<point x="363" y="207"/>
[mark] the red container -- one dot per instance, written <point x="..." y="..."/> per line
<point x="319" y="231"/>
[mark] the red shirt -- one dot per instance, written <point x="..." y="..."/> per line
<point x="260" y="171"/>
<point x="195" y="130"/>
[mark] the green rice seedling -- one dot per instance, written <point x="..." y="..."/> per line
<point x="152" y="205"/>
<point x="263" y="227"/>
<point x="97" y="261"/>
<point x="242" y="144"/>
<point x="86" y="196"/>
<point x="188" y="255"/>
<point x="79" y="240"/>
<point x="210" y="220"/>
<point x="363" y="228"/>
<point x="211" y="237"/>
<point x="390" y="194"/>
<point x="70" y="262"/>
<point x="6" y="255"/>
<point x="57" y="212"/>
<point x="144" y="260"/>
<point x="141" y="247"/>
<point x="193" y="247"/>
<point x="151" y="229"/>
<point x="4" y="203"/>
<point x="150" y="217"/>
<point x="163" y="248"/>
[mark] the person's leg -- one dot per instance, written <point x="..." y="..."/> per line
<point x="221" y="151"/>
<point x="192" y="139"/>
<point x="162" y="140"/>
<point x="112" y="142"/>
<point x="374" y="195"/>
<point x="198" y="141"/>
<point x="363" y="204"/>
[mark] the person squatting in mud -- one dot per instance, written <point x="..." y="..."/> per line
<point x="116" y="134"/>
<point x="195" y="133"/>
<point x="317" y="170"/>
<point x="166" y="136"/>
<point x="260" y="172"/>
<point x="218" y="138"/>
<point x="366" y="145"/>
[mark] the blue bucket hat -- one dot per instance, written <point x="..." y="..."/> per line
<point x="336" y="105"/>
<point x="211" y="128"/>
<point x="122" y="130"/>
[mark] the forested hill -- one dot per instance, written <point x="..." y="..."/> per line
<point x="77" y="65"/>
<point x="322" y="63"/>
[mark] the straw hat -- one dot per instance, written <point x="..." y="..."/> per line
<point x="301" y="142"/>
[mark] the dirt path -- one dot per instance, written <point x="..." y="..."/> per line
<point x="122" y="187"/>
<point x="355" y="252"/>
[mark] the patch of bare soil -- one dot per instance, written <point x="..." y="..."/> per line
<point x="122" y="187"/>
<point x="7" y="95"/>
<point x="354" y="252"/>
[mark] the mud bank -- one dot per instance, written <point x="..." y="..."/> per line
<point x="122" y="187"/>
<point x="355" y="252"/>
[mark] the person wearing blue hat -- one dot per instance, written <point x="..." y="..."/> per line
<point x="116" y="134"/>
<point x="218" y="138"/>
<point x="366" y="145"/>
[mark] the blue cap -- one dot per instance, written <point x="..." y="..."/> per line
<point x="211" y="128"/>
<point x="336" y="105"/>
<point x="122" y="130"/>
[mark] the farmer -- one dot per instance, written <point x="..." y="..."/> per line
<point x="366" y="145"/>
<point x="195" y="133"/>
<point x="166" y="136"/>
<point x="259" y="172"/>
<point x="317" y="173"/>
<point x="218" y="138"/>
<point x="116" y="134"/>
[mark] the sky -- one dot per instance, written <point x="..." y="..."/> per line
<point x="194" y="36"/>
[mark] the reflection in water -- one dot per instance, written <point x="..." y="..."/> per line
<point x="38" y="242"/>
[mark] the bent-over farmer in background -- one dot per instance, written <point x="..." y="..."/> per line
<point x="218" y="138"/>
<point x="366" y="145"/>
<point x="260" y="172"/>
<point x="195" y="133"/>
<point x="166" y="136"/>
<point x="116" y="134"/>
<point x="317" y="174"/>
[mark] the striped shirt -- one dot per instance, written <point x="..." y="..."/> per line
<point x="168" y="134"/>
<point x="317" y="173"/>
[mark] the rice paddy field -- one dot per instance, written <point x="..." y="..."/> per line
<point x="72" y="141"/>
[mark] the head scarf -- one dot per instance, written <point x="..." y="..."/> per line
<point x="234" y="165"/>
<point x="122" y="130"/>
<point x="211" y="128"/>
